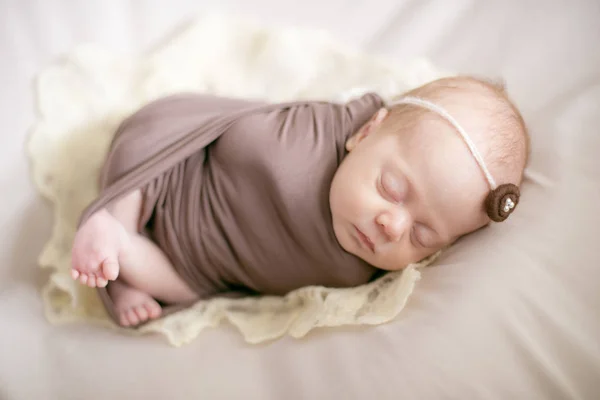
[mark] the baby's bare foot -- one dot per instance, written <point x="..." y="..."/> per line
<point x="132" y="306"/>
<point x="95" y="255"/>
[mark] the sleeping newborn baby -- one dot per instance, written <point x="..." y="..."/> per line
<point x="204" y="196"/>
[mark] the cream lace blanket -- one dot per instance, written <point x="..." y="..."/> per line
<point x="83" y="97"/>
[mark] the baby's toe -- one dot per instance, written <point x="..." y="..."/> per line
<point x="83" y="278"/>
<point x="91" y="281"/>
<point x="123" y="320"/>
<point x="74" y="274"/>
<point x="153" y="309"/>
<point x="101" y="282"/>
<point x="132" y="317"/>
<point x="110" y="269"/>
<point x="141" y="313"/>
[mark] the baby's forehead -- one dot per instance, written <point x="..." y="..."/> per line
<point x="481" y="115"/>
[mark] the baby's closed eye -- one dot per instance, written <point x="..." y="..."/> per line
<point x="392" y="187"/>
<point x="422" y="235"/>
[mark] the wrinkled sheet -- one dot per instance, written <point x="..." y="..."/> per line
<point x="509" y="312"/>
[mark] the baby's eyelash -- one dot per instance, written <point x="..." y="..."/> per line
<point x="380" y="187"/>
<point x="413" y="238"/>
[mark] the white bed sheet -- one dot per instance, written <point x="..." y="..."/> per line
<point x="510" y="312"/>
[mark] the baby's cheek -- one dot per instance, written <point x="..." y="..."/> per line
<point x="357" y="198"/>
<point x="395" y="258"/>
<point x="407" y="254"/>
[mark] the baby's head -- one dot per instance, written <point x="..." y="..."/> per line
<point x="411" y="185"/>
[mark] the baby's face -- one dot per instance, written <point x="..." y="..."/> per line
<point x="397" y="198"/>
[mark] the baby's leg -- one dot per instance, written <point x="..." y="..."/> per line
<point x="146" y="273"/>
<point x="109" y="245"/>
<point x="146" y="267"/>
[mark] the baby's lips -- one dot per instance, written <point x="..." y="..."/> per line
<point x="502" y="201"/>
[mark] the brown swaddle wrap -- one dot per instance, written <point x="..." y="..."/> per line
<point x="236" y="192"/>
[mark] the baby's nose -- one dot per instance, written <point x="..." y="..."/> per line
<point x="393" y="224"/>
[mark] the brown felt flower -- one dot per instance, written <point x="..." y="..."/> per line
<point x="501" y="202"/>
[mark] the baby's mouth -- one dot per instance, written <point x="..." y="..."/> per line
<point x="365" y="240"/>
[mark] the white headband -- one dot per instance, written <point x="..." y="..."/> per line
<point x="502" y="200"/>
<point x="415" y="101"/>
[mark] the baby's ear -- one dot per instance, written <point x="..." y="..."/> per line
<point x="379" y="116"/>
<point x="367" y="128"/>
